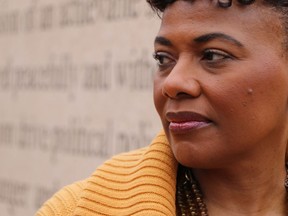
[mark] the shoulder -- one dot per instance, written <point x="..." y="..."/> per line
<point x="64" y="201"/>
<point x="134" y="183"/>
<point x="156" y="155"/>
<point x="147" y="174"/>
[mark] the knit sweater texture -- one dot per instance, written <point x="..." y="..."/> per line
<point x="141" y="182"/>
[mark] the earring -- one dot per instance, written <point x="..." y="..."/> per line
<point x="224" y="3"/>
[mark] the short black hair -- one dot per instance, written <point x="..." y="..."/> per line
<point x="280" y="6"/>
<point x="160" y="5"/>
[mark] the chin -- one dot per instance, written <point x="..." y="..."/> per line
<point x="185" y="155"/>
<point x="190" y="155"/>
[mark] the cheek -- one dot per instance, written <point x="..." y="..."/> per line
<point x="252" y="96"/>
<point x="159" y="99"/>
<point x="268" y="91"/>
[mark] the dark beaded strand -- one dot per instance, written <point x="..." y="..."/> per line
<point x="286" y="180"/>
<point x="189" y="198"/>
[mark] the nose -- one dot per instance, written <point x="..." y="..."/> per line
<point x="182" y="82"/>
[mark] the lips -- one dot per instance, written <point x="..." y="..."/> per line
<point x="182" y="122"/>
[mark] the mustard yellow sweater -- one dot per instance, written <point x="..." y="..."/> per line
<point x="142" y="182"/>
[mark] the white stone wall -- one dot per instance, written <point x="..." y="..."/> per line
<point x="75" y="89"/>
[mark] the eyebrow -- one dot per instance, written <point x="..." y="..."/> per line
<point x="213" y="36"/>
<point x="163" y="41"/>
<point x="201" y="39"/>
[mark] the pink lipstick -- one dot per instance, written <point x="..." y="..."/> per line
<point x="182" y="122"/>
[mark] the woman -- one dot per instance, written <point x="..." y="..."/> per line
<point x="221" y="91"/>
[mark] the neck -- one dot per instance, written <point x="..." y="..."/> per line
<point x="245" y="190"/>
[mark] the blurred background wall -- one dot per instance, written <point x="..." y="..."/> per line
<point x="75" y="89"/>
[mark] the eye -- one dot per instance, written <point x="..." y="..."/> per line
<point x="214" y="55"/>
<point x="163" y="59"/>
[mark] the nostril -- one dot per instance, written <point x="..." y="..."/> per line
<point x="246" y="2"/>
<point x="224" y="3"/>
<point x="190" y="88"/>
<point x="182" y="95"/>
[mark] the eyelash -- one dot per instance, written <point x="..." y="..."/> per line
<point x="160" y="57"/>
<point x="206" y="56"/>
<point x="210" y="52"/>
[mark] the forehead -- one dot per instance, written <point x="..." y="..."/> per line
<point x="194" y="17"/>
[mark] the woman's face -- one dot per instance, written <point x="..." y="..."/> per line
<point x="222" y="83"/>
